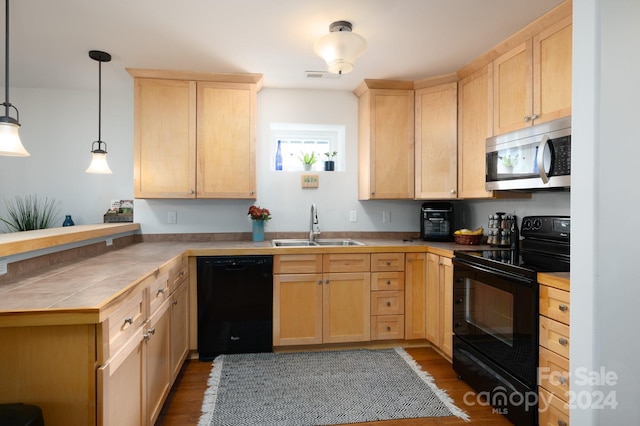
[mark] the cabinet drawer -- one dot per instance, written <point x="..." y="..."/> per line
<point x="387" y="302"/>
<point x="554" y="373"/>
<point x="297" y="263"/>
<point x="178" y="274"/>
<point x="158" y="292"/>
<point x="552" y="411"/>
<point x="385" y="327"/>
<point x="387" y="281"/>
<point x="346" y="262"/>
<point x="554" y="304"/>
<point x="387" y="262"/>
<point x="554" y="336"/>
<point x="123" y="323"/>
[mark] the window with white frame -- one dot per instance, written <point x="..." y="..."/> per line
<point x="298" y="140"/>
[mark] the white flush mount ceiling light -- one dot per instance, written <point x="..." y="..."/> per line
<point x="98" y="148"/>
<point x="10" y="144"/>
<point x="340" y="47"/>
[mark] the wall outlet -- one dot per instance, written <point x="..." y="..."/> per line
<point x="172" y="218"/>
<point x="386" y="217"/>
<point x="3" y="266"/>
<point x="109" y="241"/>
<point x="353" y="215"/>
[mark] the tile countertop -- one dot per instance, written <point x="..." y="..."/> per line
<point x="80" y="291"/>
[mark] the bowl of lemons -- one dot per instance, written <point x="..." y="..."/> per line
<point x="468" y="237"/>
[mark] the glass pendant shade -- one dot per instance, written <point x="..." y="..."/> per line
<point x="10" y="144"/>
<point x="99" y="163"/>
<point x="339" y="49"/>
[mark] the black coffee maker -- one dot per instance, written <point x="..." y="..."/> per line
<point x="436" y="221"/>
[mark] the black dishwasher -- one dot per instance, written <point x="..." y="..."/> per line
<point x="235" y="305"/>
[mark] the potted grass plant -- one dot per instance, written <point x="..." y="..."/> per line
<point x="308" y="160"/>
<point x="29" y="213"/>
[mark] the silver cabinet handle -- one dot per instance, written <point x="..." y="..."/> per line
<point x="562" y="423"/>
<point x="535" y="116"/>
<point x="527" y="118"/>
<point x="388" y="282"/>
<point x="160" y="291"/>
<point x="388" y="303"/>
<point x="562" y="380"/>
<point x="149" y="333"/>
<point x="319" y="281"/>
<point x="326" y="281"/>
<point x="174" y="303"/>
<point x="563" y="308"/>
<point x="563" y="341"/>
<point x="388" y="328"/>
<point x="452" y="192"/>
<point x="128" y="320"/>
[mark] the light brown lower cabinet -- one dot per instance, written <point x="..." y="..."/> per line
<point x="415" y="291"/>
<point x="322" y="306"/>
<point x="439" y="327"/>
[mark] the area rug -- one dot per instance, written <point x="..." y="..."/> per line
<point x="321" y="388"/>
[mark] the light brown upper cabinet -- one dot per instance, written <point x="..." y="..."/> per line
<point x="532" y="81"/>
<point x="194" y="134"/>
<point x="475" y="125"/>
<point x="436" y="141"/>
<point x="385" y="140"/>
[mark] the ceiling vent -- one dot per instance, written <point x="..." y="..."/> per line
<point x="321" y="74"/>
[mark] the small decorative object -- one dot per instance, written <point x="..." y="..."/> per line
<point x="258" y="216"/>
<point x="68" y="221"/>
<point x="330" y="163"/>
<point x="308" y="160"/>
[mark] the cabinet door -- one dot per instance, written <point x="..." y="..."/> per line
<point x="297" y="309"/>
<point x="179" y="327"/>
<point x="164" y="138"/>
<point x="475" y="125"/>
<point x="433" y="327"/>
<point x="346" y="307"/>
<point x="552" y="72"/>
<point x="157" y="371"/>
<point x="226" y="140"/>
<point x="446" y="299"/>
<point x="386" y="144"/>
<point x="513" y="89"/>
<point x="120" y="386"/>
<point x="436" y="120"/>
<point x="415" y="295"/>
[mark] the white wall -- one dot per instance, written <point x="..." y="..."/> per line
<point x="605" y="201"/>
<point x="58" y="127"/>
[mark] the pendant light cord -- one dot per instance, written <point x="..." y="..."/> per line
<point x="99" y="104"/>
<point x="6" y="61"/>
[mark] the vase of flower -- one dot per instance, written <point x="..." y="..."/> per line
<point x="258" y="218"/>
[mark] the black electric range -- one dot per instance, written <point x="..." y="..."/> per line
<point x="544" y="248"/>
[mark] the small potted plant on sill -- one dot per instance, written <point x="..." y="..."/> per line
<point x="308" y="160"/>
<point x="330" y="163"/>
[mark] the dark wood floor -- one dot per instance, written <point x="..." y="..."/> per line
<point x="183" y="404"/>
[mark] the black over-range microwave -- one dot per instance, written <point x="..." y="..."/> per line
<point x="536" y="157"/>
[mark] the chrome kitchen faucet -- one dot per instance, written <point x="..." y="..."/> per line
<point x="314" y="228"/>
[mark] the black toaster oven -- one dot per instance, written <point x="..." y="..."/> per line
<point x="436" y="221"/>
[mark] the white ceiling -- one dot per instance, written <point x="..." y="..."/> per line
<point x="406" y="39"/>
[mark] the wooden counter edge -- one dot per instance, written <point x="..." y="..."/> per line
<point x="559" y="280"/>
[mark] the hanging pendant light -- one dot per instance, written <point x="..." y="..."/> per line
<point x="10" y="144"/>
<point x="340" y="47"/>
<point x="98" y="148"/>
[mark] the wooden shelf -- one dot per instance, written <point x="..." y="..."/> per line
<point x="22" y="242"/>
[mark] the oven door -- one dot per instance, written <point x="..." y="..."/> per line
<point x="496" y="313"/>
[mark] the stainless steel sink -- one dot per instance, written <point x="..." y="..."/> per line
<point x="317" y="243"/>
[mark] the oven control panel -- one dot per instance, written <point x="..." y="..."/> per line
<point x="546" y="227"/>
